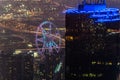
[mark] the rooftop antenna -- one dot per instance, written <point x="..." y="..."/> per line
<point x="80" y="4"/>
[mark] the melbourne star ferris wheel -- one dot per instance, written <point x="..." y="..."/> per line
<point x="48" y="39"/>
<point x="48" y="43"/>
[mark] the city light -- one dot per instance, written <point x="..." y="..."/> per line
<point x="34" y="54"/>
<point x="92" y="41"/>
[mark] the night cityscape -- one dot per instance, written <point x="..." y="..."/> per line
<point x="32" y="42"/>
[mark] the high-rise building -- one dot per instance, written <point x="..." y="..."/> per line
<point x="16" y="67"/>
<point x="52" y="68"/>
<point x="24" y="66"/>
<point x="92" y="42"/>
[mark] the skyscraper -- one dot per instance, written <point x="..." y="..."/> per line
<point x="92" y="42"/>
<point x="16" y="67"/>
<point x="53" y="68"/>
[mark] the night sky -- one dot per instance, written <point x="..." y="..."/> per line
<point x="110" y="3"/>
<point x="113" y="3"/>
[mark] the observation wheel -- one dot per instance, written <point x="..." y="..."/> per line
<point x="48" y="39"/>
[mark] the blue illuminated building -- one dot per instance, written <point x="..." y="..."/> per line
<point x="97" y="11"/>
<point x="92" y="42"/>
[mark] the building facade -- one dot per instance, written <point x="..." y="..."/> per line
<point x="51" y="68"/>
<point x="16" y="67"/>
<point x="92" y="42"/>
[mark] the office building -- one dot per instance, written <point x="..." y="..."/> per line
<point x="92" y="42"/>
<point x="51" y="68"/>
<point x="16" y="67"/>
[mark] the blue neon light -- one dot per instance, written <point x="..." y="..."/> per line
<point x="105" y="15"/>
<point x="98" y="12"/>
<point x="94" y="7"/>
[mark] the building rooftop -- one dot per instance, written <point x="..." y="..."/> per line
<point x="98" y="12"/>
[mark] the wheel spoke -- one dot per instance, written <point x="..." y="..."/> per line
<point x="50" y="38"/>
<point x="39" y="40"/>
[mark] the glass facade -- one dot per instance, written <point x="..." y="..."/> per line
<point x="92" y="47"/>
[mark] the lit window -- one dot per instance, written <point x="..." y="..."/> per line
<point x="100" y="75"/>
<point x="118" y="63"/>
<point x="85" y="75"/>
<point x="69" y="38"/>
<point x="93" y="62"/>
<point x="98" y="62"/>
<point x="108" y="63"/>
